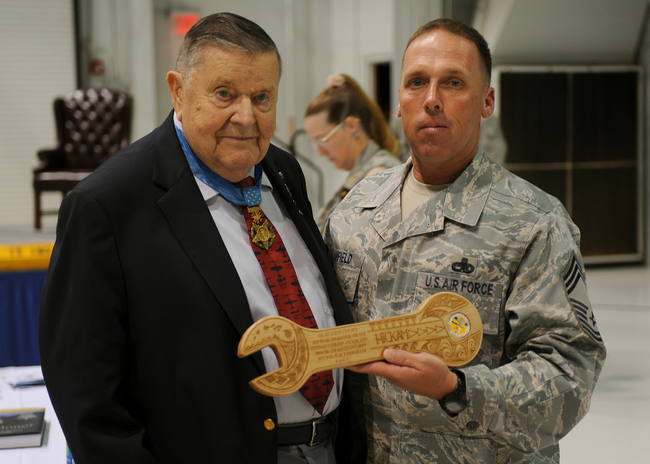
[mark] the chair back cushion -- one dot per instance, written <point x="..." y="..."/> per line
<point x="93" y="124"/>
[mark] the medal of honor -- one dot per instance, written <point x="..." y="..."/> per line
<point x="262" y="234"/>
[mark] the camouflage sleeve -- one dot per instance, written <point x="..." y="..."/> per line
<point x="553" y="350"/>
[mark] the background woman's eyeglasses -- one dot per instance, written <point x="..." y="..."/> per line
<point x="322" y="142"/>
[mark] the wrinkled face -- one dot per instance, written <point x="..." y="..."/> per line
<point x="337" y="148"/>
<point x="443" y="95"/>
<point x="227" y="106"/>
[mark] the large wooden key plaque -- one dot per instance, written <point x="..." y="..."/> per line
<point x="445" y="324"/>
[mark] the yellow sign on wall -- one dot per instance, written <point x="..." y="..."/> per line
<point x="25" y="256"/>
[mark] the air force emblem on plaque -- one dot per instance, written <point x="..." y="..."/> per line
<point x="576" y="288"/>
<point x="459" y="325"/>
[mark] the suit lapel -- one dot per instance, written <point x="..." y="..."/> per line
<point x="296" y="205"/>
<point x="191" y="222"/>
<point x="292" y="202"/>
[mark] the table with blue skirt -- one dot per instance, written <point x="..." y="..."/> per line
<point x="20" y="296"/>
<point x="23" y="268"/>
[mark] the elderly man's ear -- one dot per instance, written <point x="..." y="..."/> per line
<point x="175" y="83"/>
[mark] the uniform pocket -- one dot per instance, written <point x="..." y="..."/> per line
<point x="416" y="447"/>
<point x="348" y="269"/>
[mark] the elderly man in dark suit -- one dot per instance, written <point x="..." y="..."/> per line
<point x="162" y="262"/>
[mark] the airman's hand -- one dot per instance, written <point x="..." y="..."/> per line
<point x="422" y="373"/>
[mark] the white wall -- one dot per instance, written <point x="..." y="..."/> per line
<point x="38" y="64"/>
<point x="39" y="57"/>
<point x="121" y="34"/>
<point x="315" y="37"/>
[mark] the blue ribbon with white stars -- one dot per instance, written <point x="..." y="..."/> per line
<point x="249" y="196"/>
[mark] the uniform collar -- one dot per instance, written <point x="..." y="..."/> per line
<point x="462" y="202"/>
<point x="467" y="196"/>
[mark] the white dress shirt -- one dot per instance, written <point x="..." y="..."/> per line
<point x="232" y="226"/>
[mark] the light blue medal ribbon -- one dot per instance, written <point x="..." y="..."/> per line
<point x="249" y="196"/>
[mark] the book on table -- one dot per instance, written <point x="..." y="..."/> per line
<point x="21" y="428"/>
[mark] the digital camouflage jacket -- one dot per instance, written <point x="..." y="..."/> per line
<point x="513" y="251"/>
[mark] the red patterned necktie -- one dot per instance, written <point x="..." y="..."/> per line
<point x="285" y="288"/>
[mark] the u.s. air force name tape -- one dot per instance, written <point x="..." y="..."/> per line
<point x="458" y="285"/>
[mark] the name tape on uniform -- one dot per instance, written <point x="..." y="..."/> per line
<point x="350" y="259"/>
<point x="460" y="286"/>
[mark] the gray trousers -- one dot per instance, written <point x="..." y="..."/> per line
<point x="303" y="454"/>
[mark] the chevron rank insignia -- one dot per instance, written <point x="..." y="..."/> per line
<point x="576" y="288"/>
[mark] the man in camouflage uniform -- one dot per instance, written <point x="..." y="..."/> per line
<point x="502" y="243"/>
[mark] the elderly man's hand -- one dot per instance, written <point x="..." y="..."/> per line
<point x="421" y="373"/>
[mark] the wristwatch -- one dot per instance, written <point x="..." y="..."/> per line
<point x="455" y="402"/>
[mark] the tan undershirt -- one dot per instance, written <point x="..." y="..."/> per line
<point x="415" y="193"/>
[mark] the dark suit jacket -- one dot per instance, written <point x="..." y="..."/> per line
<point x="142" y="312"/>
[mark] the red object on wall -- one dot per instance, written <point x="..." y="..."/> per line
<point x="97" y="67"/>
<point x="183" y="22"/>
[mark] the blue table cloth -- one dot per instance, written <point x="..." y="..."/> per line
<point x="20" y="295"/>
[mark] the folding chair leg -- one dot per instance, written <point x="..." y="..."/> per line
<point x="37" y="209"/>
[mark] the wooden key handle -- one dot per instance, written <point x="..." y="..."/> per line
<point x="445" y="324"/>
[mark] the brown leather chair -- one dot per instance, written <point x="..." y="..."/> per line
<point x="92" y="125"/>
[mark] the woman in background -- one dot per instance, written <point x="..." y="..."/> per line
<point x="349" y="128"/>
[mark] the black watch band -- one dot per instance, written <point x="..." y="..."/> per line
<point x="455" y="402"/>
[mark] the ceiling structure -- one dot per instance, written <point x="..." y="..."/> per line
<point x="558" y="32"/>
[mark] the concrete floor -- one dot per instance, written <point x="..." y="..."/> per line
<point x="617" y="428"/>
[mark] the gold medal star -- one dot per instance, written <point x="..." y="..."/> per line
<point x="263" y="235"/>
